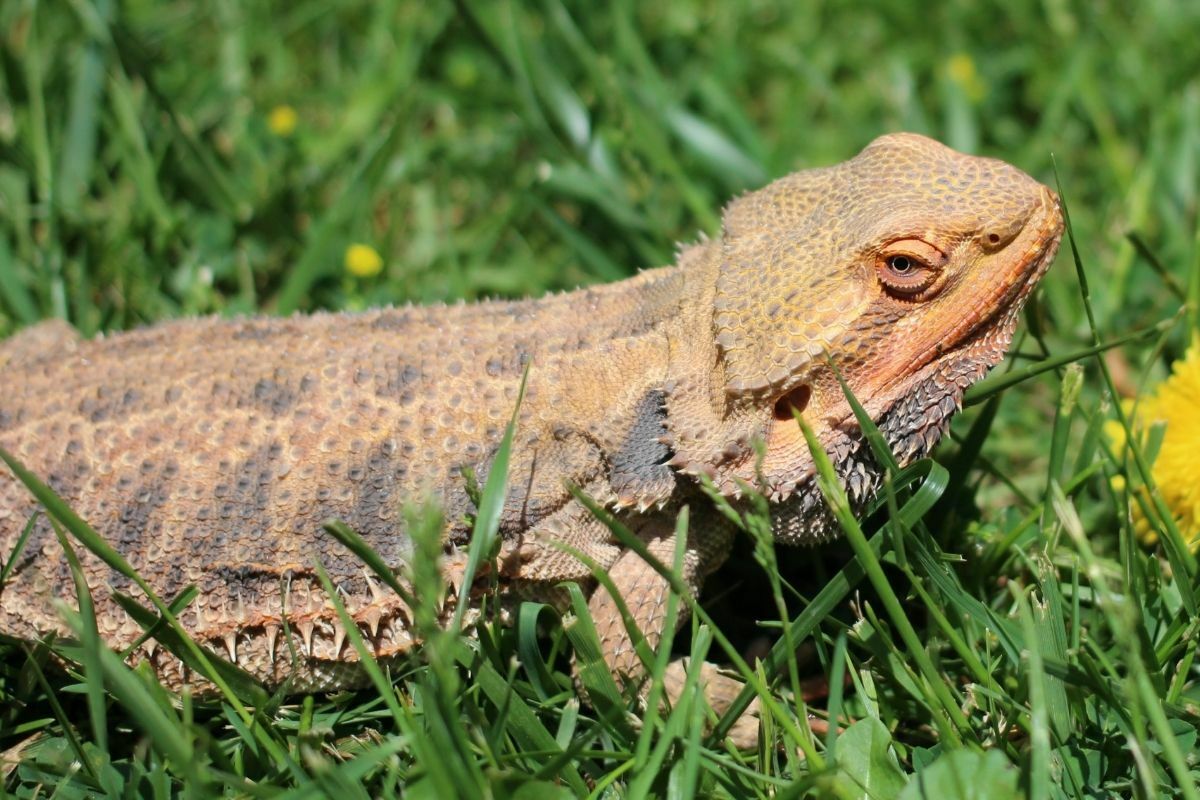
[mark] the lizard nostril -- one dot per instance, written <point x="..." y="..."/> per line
<point x="1007" y="224"/>
<point x="797" y="398"/>
<point x="999" y="236"/>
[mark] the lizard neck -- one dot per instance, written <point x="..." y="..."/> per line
<point x="706" y="433"/>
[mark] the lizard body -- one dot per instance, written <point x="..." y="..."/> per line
<point x="209" y="452"/>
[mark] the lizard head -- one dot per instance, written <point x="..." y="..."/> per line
<point x="905" y="266"/>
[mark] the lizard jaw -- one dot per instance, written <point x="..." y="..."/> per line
<point x="911" y="428"/>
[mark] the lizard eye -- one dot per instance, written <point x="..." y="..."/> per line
<point x="908" y="267"/>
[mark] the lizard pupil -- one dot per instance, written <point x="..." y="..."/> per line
<point x="900" y="264"/>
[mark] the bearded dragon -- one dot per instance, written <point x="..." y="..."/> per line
<point x="209" y="452"/>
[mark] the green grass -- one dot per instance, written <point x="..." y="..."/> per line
<point x="1006" y="632"/>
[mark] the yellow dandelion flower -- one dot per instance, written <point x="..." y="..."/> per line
<point x="1174" y="403"/>
<point x="1115" y="433"/>
<point x="282" y="120"/>
<point x="363" y="261"/>
<point x="961" y="69"/>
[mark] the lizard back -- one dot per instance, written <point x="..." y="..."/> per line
<point x="210" y="452"/>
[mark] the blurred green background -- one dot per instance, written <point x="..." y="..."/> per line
<point x="168" y="158"/>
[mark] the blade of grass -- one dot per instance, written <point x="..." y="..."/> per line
<point x="366" y="554"/>
<point x="90" y="640"/>
<point x="13" y="290"/>
<point x="18" y="548"/>
<point x="223" y="189"/>
<point x="591" y="670"/>
<point x="1039" y="725"/>
<point x="528" y="730"/>
<point x="1049" y="625"/>
<point x="177" y="605"/>
<point x="44" y="179"/>
<point x="658" y="668"/>
<point x="530" y="650"/>
<point x="984" y="389"/>
<point x="93" y="677"/>
<point x="837" y="684"/>
<point x="491" y="504"/>
<point x="79" y="145"/>
<point x="1164" y="274"/>
<point x="355" y="770"/>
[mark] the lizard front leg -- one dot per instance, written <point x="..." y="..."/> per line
<point x="645" y="593"/>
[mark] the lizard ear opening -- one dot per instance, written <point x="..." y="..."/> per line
<point x="794" y="402"/>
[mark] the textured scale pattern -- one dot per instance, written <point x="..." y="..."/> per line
<point x="209" y="452"/>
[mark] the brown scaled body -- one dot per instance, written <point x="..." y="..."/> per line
<point x="209" y="452"/>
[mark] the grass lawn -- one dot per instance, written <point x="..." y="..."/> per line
<point x="1013" y="632"/>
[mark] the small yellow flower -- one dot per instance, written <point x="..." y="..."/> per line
<point x="363" y="261"/>
<point x="282" y="120"/>
<point x="1175" y="403"/>
<point x="961" y="69"/>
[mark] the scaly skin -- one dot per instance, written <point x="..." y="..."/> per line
<point x="209" y="452"/>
